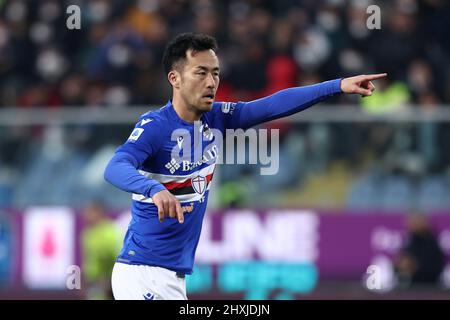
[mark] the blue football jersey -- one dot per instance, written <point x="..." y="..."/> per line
<point x="155" y="139"/>
<point x="170" y="153"/>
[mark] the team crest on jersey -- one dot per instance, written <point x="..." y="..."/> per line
<point x="199" y="184"/>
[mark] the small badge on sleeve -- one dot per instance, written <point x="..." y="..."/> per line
<point x="228" y="107"/>
<point x="135" y="134"/>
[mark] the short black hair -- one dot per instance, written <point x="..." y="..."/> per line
<point x="177" y="48"/>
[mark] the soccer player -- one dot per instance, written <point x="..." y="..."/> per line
<point x="169" y="194"/>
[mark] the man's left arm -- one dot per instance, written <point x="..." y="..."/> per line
<point x="292" y="100"/>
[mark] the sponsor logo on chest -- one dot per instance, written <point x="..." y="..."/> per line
<point x="209" y="157"/>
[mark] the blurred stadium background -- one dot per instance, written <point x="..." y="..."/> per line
<point x="361" y="182"/>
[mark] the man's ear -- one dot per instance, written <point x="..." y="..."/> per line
<point x="174" y="78"/>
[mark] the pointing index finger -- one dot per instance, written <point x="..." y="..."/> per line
<point x="375" y="76"/>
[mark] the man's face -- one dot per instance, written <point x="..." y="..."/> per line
<point x="199" y="79"/>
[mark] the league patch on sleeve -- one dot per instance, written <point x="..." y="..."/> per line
<point x="135" y="134"/>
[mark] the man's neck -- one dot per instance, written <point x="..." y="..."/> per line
<point x="184" y="111"/>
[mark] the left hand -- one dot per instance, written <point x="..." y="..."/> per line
<point x="361" y="84"/>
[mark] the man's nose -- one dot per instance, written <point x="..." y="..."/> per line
<point x="210" y="81"/>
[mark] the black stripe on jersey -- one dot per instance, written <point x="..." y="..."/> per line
<point x="182" y="191"/>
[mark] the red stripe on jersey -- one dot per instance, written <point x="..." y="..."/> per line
<point x="187" y="183"/>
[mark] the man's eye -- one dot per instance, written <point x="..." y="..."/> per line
<point x="201" y="73"/>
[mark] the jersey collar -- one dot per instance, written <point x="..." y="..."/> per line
<point x="173" y="114"/>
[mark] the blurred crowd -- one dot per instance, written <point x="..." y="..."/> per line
<point x="114" y="61"/>
<point x="265" y="46"/>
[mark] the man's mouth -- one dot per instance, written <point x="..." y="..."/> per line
<point x="209" y="96"/>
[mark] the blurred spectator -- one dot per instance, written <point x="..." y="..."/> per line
<point x="421" y="261"/>
<point x="389" y="97"/>
<point x="101" y="242"/>
<point x="72" y="90"/>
